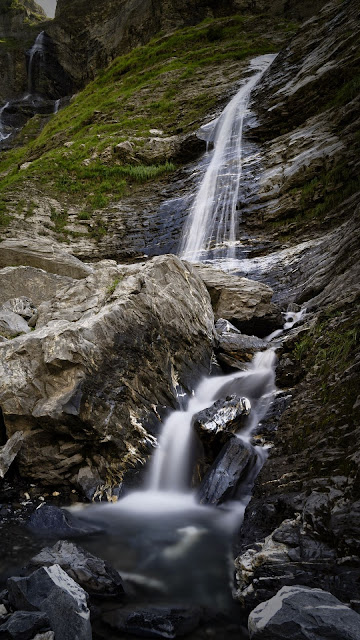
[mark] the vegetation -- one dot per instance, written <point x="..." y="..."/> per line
<point x="162" y="85"/>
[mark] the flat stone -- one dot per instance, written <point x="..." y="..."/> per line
<point x="301" y="613"/>
<point x="53" y="592"/>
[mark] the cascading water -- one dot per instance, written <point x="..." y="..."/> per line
<point x="213" y="217"/>
<point x="3" y="134"/>
<point x="36" y="53"/>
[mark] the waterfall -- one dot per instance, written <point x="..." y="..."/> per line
<point x="36" y="51"/>
<point x="213" y="217"/>
<point x="56" y="106"/>
<point x="3" y="135"/>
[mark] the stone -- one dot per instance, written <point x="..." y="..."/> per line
<point x="25" y="165"/>
<point x="245" y="303"/>
<point x="11" y="324"/>
<point x="124" y="150"/>
<point x="53" y="592"/>
<point x="35" y="284"/>
<point x="154" y="621"/>
<point x="9" y="451"/>
<point x="22" y="625"/>
<point x="234" y="345"/>
<point x="219" y="422"/>
<point x="41" y="254"/>
<point x="94" y="575"/>
<point x="89" y="385"/>
<point x="49" y="635"/>
<point x="301" y="613"/>
<point x="224" y="476"/>
<point x="48" y="520"/>
<point x="23" y="307"/>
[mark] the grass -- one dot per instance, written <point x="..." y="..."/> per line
<point x="161" y="85"/>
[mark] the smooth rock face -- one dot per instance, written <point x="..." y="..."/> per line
<point x="246" y="303"/>
<point x="154" y="622"/>
<point x="22" y="625"/>
<point x="106" y="357"/>
<point x="52" y="591"/>
<point x="222" y="479"/>
<point x="35" y="284"/>
<point x="90" y="572"/>
<point x="9" y="451"/>
<point x="301" y="613"/>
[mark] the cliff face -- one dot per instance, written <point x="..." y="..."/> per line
<point x="88" y="38"/>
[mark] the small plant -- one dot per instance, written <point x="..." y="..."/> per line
<point x="84" y="215"/>
<point x="111" y="288"/>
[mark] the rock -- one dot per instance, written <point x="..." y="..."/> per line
<point x="53" y="592"/>
<point x="231" y="465"/>
<point x="125" y="150"/>
<point x="219" y="422"/>
<point x="9" y="451"/>
<point x="52" y="521"/>
<point x="115" y="346"/>
<point x="42" y="254"/>
<point x="301" y="613"/>
<point x="35" y="284"/>
<point x="25" y="166"/>
<point x="11" y="324"/>
<point x="246" y="303"/>
<point x="23" y="307"/>
<point x="49" y="635"/>
<point x="154" y="621"/>
<point x="23" y="625"/>
<point x="233" y="345"/>
<point x="93" y="574"/>
<point x="3" y="611"/>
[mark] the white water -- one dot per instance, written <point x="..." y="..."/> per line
<point x="213" y="217"/>
<point x="3" y="135"/>
<point x="37" y="50"/>
<point x="56" y="106"/>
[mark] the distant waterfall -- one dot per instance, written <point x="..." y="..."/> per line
<point x="213" y="217"/>
<point x="36" y="52"/>
<point x="3" y="134"/>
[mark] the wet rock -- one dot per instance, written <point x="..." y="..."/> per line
<point x="23" y="307"/>
<point x="229" y="468"/>
<point x="154" y="622"/>
<point x="23" y="625"/>
<point x="11" y="324"/>
<point x="9" y="451"/>
<point x="41" y="254"/>
<point x="246" y="303"/>
<point x="93" y="574"/>
<point x="219" y="422"/>
<point x="233" y="345"/>
<point x="301" y="613"/>
<point x="115" y="345"/>
<point x="53" y="592"/>
<point x="52" y="521"/>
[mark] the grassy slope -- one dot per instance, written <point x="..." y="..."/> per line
<point x="154" y="86"/>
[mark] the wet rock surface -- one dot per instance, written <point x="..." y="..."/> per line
<point x="303" y="614"/>
<point x="216" y="424"/>
<point x="235" y="348"/>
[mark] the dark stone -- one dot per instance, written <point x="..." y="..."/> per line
<point x="52" y="521"/>
<point x="52" y="591"/>
<point x="90" y="572"/>
<point x="23" y="625"/>
<point x="216" y="424"/>
<point x="234" y="345"/>
<point x="301" y="613"/>
<point x="222" y="480"/>
<point x="154" y="622"/>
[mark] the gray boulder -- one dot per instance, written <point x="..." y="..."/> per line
<point x="23" y="625"/>
<point x="53" y="592"/>
<point x="36" y="284"/>
<point x="216" y="424"/>
<point x="11" y="324"/>
<point x="230" y="467"/>
<point x="90" y="572"/>
<point x="52" y="521"/>
<point x="23" y="307"/>
<point x="9" y="451"/>
<point x="234" y="347"/>
<point x="88" y="386"/>
<point x="246" y="303"/>
<point x="301" y="613"/>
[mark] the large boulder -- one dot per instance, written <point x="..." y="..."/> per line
<point x="90" y="572"/>
<point x="36" y="284"/>
<point x="233" y="347"/>
<point x="89" y="385"/>
<point x="301" y="613"/>
<point x="53" y="592"/>
<point x="11" y="324"/>
<point x="246" y="303"/>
